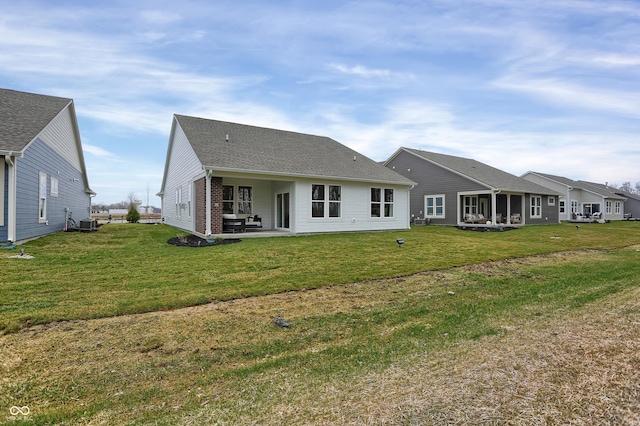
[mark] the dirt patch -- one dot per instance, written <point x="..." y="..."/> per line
<point x="195" y="241"/>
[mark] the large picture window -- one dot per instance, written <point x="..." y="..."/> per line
<point x="326" y="200"/>
<point x="381" y="202"/>
<point x="434" y="206"/>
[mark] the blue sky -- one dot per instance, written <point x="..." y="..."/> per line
<point x="547" y="85"/>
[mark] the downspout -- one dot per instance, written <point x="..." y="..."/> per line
<point x="11" y="197"/>
<point x="409" y="206"/>
<point x="207" y="208"/>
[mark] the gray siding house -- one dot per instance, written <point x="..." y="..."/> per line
<point x="460" y="191"/>
<point x="295" y="183"/>
<point x="581" y="200"/>
<point x="631" y="204"/>
<point x="43" y="179"/>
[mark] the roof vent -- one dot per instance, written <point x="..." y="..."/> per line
<point x="227" y="138"/>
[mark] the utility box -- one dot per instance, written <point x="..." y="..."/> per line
<point x="88" y="225"/>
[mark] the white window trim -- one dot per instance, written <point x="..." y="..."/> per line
<point x="382" y="203"/>
<point x="575" y="208"/>
<point x="42" y="197"/>
<point x="535" y="208"/>
<point x="608" y="207"/>
<point x="236" y="206"/>
<point x="470" y="208"/>
<point x="189" y="200"/>
<point x="179" y="202"/>
<point x="54" y="186"/>
<point x="435" y="215"/>
<point x="326" y="202"/>
<point x="618" y="207"/>
<point x="551" y="201"/>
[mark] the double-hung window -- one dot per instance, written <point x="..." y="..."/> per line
<point x="381" y="202"/>
<point x="227" y="199"/>
<point x="608" y="207"/>
<point x="42" y="197"/>
<point x="470" y="204"/>
<point x="434" y="206"/>
<point x="326" y="200"/>
<point x="536" y="206"/>
<point x="618" y="207"/>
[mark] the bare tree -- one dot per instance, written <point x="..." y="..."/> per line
<point x="131" y="197"/>
<point x="626" y="187"/>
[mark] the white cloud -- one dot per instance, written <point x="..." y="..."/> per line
<point x="361" y="71"/>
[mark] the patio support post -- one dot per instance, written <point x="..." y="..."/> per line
<point x="208" y="203"/>
<point x="508" y="209"/>
<point x="493" y="206"/>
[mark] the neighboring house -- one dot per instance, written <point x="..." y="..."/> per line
<point x="580" y="199"/>
<point x="43" y="179"/>
<point x="631" y="204"/>
<point x="459" y="191"/>
<point x="293" y="182"/>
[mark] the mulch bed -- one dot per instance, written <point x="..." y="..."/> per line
<point x="195" y="241"/>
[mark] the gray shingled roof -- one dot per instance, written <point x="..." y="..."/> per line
<point x="490" y="176"/>
<point x="596" y="188"/>
<point x="270" y="151"/>
<point x="559" y="179"/>
<point x="600" y="189"/>
<point x="24" y="115"/>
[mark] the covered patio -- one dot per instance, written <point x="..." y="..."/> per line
<point x="490" y="208"/>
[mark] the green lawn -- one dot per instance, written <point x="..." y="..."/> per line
<point x="130" y="268"/>
<point x="364" y="352"/>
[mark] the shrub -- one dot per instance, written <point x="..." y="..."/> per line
<point x="133" y="216"/>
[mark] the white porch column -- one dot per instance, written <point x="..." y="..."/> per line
<point x="207" y="208"/>
<point x="508" y="208"/>
<point x="494" y="212"/>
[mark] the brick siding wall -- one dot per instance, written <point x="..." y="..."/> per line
<point x="216" y="200"/>
<point x="201" y="202"/>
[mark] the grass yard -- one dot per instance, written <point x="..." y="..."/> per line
<point x="533" y="326"/>
<point x="129" y="268"/>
